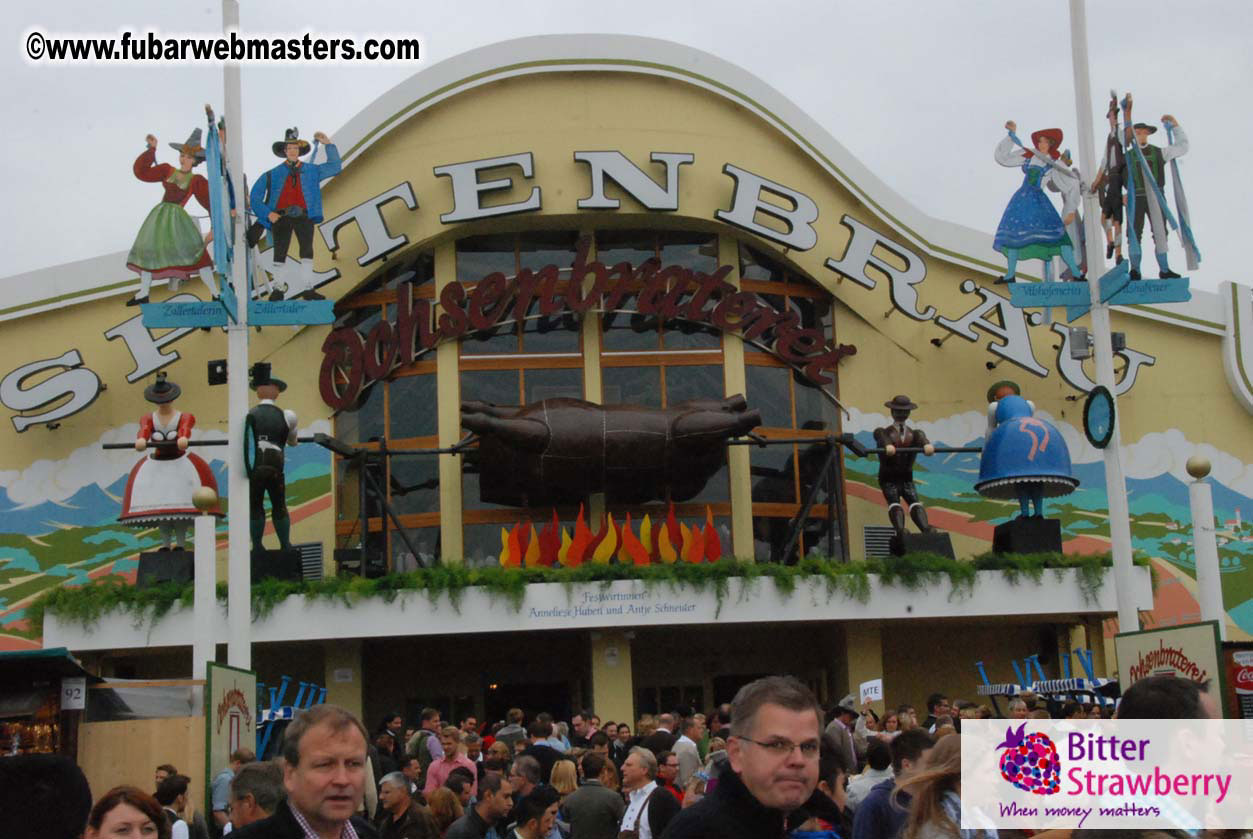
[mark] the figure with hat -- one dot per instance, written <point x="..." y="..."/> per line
<point x="1023" y="457"/>
<point x="896" y="468"/>
<point x="159" y="488"/>
<point x="267" y="430"/>
<point x="1109" y="185"/>
<point x="1030" y="227"/>
<point x="287" y="201"/>
<point x="1146" y="201"/>
<point x="169" y="245"/>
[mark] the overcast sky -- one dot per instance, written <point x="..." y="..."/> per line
<point x="917" y="91"/>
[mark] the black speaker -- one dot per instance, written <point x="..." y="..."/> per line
<point x="165" y="567"/>
<point x="277" y="565"/>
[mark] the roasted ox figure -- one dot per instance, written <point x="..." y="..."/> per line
<point x="558" y="451"/>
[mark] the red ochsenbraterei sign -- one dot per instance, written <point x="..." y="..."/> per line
<point x="351" y="361"/>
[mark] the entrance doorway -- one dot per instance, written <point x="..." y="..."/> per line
<point x="553" y="697"/>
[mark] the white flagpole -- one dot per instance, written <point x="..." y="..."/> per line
<point x="1115" y="482"/>
<point x="239" y="565"/>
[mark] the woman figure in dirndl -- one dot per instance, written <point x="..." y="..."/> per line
<point x="169" y="244"/>
<point x="1030" y="227"/>
<point x="1023" y="457"/>
<point x="160" y="487"/>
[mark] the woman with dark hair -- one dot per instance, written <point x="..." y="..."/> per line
<point x="127" y="813"/>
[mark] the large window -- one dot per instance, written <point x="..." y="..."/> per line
<point x="785" y="475"/>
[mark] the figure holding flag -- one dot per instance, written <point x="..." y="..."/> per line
<point x="1030" y="227"/>
<point x="1151" y="202"/>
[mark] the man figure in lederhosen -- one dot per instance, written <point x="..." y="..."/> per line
<point x="272" y="428"/>
<point x="896" y="469"/>
<point x="288" y="201"/>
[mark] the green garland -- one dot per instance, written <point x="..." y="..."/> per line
<point x="87" y="604"/>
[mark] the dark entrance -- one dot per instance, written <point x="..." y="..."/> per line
<point x="553" y="697"/>
<point x="725" y="687"/>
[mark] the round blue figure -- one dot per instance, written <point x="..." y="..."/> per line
<point x="1024" y="457"/>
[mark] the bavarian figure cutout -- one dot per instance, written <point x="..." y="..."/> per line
<point x="268" y="429"/>
<point x="896" y="468"/>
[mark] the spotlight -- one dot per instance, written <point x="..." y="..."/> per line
<point x="217" y="371"/>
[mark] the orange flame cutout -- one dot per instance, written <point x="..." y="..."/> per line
<point x="549" y="541"/>
<point x="532" y="546"/>
<point x="564" y="551"/>
<point x="713" y="544"/>
<point x="646" y="538"/>
<point x="578" y="545"/>
<point x="695" y="552"/>
<point x="685" y="542"/>
<point x="665" y="547"/>
<point x="504" y="546"/>
<point x="513" y="557"/>
<point x="672" y="525"/>
<point x="608" y="543"/>
<point x="631" y="546"/>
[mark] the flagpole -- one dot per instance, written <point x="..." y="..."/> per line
<point x="239" y="563"/>
<point x="1115" y="481"/>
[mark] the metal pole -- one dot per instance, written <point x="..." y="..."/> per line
<point x="239" y="565"/>
<point x="1209" y="583"/>
<point x="1115" y="483"/>
<point x="204" y="639"/>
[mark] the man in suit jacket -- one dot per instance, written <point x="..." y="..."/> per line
<point x="661" y="740"/>
<point x="322" y="800"/>
<point x="593" y="810"/>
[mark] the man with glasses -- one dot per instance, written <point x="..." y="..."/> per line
<point x="773" y="752"/>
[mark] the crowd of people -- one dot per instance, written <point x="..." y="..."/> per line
<point x="769" y="765"/>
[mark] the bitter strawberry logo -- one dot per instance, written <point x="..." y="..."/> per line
<point x="1030" y="762"/>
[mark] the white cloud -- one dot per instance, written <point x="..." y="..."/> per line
<point x="58" y="480"/>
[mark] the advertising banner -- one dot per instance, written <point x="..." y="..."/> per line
<point x="1190" y="651"/>
<point x="230" y="717"/>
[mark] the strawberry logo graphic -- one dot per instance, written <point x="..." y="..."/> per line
<point x="1030" y="762"/>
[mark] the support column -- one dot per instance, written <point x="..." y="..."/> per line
<point x="343" y="675"/>
<point x="735" y="381"/>
<point x="613" y="687"/>
<point x="448" y="419"/>
<point x="863" y="659"/>
<point x="1096" y="643"/>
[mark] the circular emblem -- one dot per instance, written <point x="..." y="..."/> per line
<point x="1098" y="417"/>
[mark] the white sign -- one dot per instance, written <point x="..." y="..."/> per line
<point x="343" y="675"/>
<point x="74" y="693"/>
<point x="1105" y="774"/>
<point x="872" y="691"/>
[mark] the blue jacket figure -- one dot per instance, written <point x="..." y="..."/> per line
<point x="287" y="201"/>
<point x="1023" y="456"/>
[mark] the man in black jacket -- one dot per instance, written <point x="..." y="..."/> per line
<point x="325" y="751"/>
<point x="773" y="753"/>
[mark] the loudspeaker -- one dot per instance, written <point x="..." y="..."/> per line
<point x="1028" y="536"/>
<point x="935" y="542"/>
<point x="278" y="565"/>
<point x="165" y="567"/>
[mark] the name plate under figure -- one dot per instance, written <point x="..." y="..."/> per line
<point x="928" y="542"/>
<point x="159" y="567"/>
<point x="1028" y="536"/>
<point x="1117" y="288"/>
<point x="277" y="565"/>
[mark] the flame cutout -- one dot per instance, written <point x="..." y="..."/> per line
<point x="513" y="557"/>
<point x="548" y="541"/>
<point x="504" y="546"/>
<point x="578" y="546"/>
<point x="646" y="538"/>
<point x="672" y="525"/>
<point x="622" y="557"/>
<point x="531" y="554"/>
<point x="665" y="548"/>
<point x="608" y="543"/>
<point x="695" y="552"/>
<point x="685" y="542"/>
<point x="632" y="547"/>
<point x="564" y="551"/>
<point x="713" y="544"/>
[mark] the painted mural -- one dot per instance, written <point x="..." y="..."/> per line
<point x="61" y="528"/>
<point x="1157" y="491"/>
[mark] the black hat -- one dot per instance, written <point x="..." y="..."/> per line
<point x="193" y="146"/>
<point x="900" y="403"/>
<point x="292" y="135"/>
<point x="260" y="374"/>
<point x="161" y="391"/>
<point x="1152" y="129"/>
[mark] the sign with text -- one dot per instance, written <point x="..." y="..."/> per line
<point x="230" y="717"/>
<point x="1189" y="652"/>
<point x="73" y="693"/>
<point x="872" y="691"/>
<point x="1106" y="774"/>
